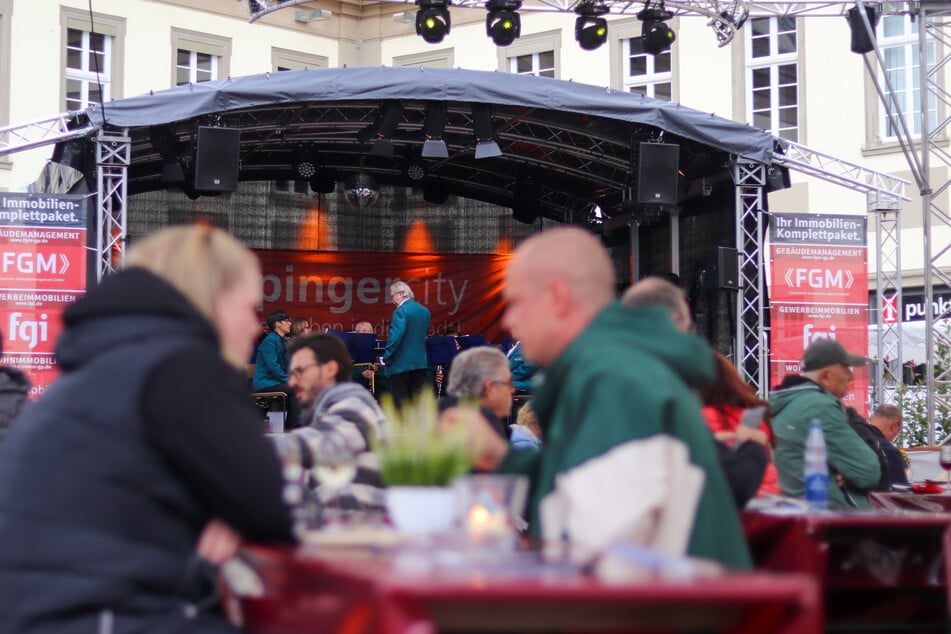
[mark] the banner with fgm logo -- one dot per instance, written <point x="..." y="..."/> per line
<point x="819" y="290"/>
<point x="42" y="270"/>
<point x="337" y="290"/>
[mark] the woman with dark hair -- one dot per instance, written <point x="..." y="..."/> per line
<point x="117" y="493"/>
<point x="725" y="400"/>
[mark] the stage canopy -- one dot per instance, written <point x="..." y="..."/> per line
<point x="564" y="146"/>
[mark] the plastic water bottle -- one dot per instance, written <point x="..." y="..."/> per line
<point x="816" y="470"/>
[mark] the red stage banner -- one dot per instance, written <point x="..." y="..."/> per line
<point x="819" y="290"/>
<point x="42" y="270"/>
<point x="338" y="289"/>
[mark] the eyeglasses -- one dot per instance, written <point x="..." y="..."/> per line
<point x="509" y="383"/>
<point x="298" y="372"/>
<point x="396" y="294"/>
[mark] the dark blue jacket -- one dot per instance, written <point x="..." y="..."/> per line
<point x="406" y="345"/>
<point x="99" y="518"/>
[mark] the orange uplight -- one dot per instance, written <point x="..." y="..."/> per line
<point x="418" y="239"/>
<point x="313" y="234"/>
<point x="503" y="246"/>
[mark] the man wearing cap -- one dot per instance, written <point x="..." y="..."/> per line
<point x="815" y="393"/>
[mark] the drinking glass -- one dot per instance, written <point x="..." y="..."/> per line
<point x="944" y="458"/>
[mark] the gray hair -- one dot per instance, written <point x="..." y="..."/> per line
<point x="472" y="368"/>
<point x="402" y="287"/>
<point x="888" y="412"/>
<point x="656" y="291"/>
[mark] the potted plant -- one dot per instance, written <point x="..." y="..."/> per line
<point x="418" y="461"/>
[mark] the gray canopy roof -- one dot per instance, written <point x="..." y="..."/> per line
<point x="572" y="142"/>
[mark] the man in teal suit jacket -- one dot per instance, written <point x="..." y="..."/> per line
<point x="405" y="358"/>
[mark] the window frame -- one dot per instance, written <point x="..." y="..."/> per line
<point x="532" y="45"/>
<point x="111" y="26"/>
<point x="196" y="42"/>
<point x="296" y="60"/>
<point x="773" y="62"/>
<point x="907" y="42"/>
<point x="619" y="33"/>
<point x="429" y="59"/>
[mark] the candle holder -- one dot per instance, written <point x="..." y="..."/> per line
<point x="490" y="507"/>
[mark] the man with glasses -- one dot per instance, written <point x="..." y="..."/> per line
<point x="404" y="362"/>
<point x="815" y="393"/>
<point x="342" y="420"/>
<point x="270" y="363"/>
<point x="481" y="375"/>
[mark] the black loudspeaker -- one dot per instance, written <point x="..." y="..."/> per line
<point x="722" y="268"/>
<point x="217" y="152"/>
<point x="657" y="165"/>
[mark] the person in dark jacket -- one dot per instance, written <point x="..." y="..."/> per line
<point x="871" y="437"/>
<point x="886" y="424"/>
<point x="116" y="481"/>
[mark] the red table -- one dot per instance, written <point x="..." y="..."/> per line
<point x="422" y="593"/>
<point x="886" y="569"/>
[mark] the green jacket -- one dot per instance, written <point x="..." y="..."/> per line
<point x="627" y="376"/>
<point x="793" y="407"/>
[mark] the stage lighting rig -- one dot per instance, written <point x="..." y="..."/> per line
<point x="502" y="23"/>
<point x="591" y="30"/>
<point x="432" y="20"/>
<point x="656" y="34"/>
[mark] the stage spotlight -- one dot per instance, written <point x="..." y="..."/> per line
<point x="862" y="41"/>
<point x="361" y="190"/>
<point x="486" y="145"/>
<point x="434" y="129"/>
<point x="415" y="170"/>
<point x="657" y="36"/>
<point x="304" y="162"/>
<point x="391" y="112"/>
<point x="591" y="30"/>
<point x="502" y="23"/>
<point x="432" y="20"/>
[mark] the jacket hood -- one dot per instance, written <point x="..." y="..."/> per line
<point x="651" y="331"/>
<point x="130" y="306"/>
<point x="792" y="386"/>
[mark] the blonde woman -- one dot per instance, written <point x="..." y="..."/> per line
<point x="145" y="451"/>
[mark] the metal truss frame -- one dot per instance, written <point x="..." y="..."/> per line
<point x="113" y="158"/>
<point x="39" y="133"/>
<point x="752" y="348"/>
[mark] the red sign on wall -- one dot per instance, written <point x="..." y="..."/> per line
<point x="819" y="291"/>
<point x="336" y="290"/>
<point x="42" y="271"/>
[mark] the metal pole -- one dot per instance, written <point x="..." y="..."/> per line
<point x="675" y="242"/>
<point x="926" y="194"/>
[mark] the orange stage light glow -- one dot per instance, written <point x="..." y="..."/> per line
<point x="418" y="239"/>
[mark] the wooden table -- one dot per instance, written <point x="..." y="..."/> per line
<point x="875" y="569"/>
<point x="414" y="591"/>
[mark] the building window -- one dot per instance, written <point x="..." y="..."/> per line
<point x="643" y="73"/>
<point x="193" y="67"/>
<point x="91" y="51"/>
<point x="537" y="54"/>
<point x="898" y="41"/>
<point x="772" y="76"/>
<point x="199" y="57"/>
<point x="283" y="59"/>
<point x="539" y="64"/>
<point x="88" y="61"/>
<point x="439" y="58"/>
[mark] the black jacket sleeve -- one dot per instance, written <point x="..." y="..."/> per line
<point x="743" y="468"/>
<point x="199" y="414"/>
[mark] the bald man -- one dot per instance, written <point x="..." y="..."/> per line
<point x="613" y="375"/>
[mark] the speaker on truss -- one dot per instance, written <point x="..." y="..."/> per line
<point x="217" y="152"/>
<point x="722" y="268"/>
<point x="657" y="165"/>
